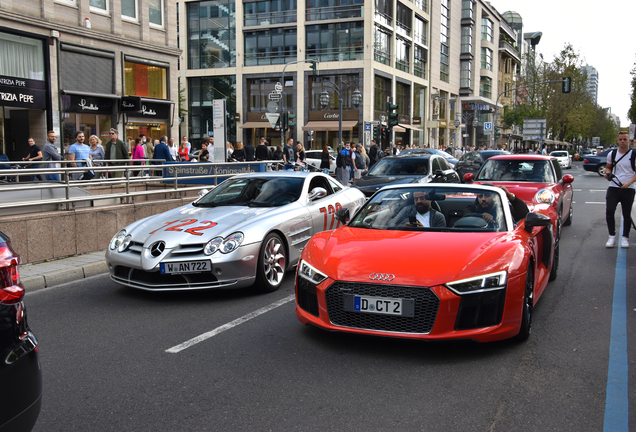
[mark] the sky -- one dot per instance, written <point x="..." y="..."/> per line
<point x="602" y="32"/>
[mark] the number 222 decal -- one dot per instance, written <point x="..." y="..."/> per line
<point x="330" y="210"/>
<point x="194" y="230"/>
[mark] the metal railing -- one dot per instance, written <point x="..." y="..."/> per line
<point x="128" y="179"/>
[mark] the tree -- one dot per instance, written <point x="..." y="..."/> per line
<point x="631" y="114"/>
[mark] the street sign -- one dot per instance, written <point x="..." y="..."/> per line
<point x="367" y="127"/>
<point x="487" y="126"/>
<point x="534" y="129"/>
<point x="273" y="118"/>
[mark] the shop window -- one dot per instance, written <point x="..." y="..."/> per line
<point x="21" y="57"/>
<point x="145" y="80"/>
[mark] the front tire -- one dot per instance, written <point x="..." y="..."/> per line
<point x="601" y="170"/>
<point x="568" y="221"/>
<point x="528" y="305"/>
<point x="272" y="263"/>
<point x="555" y="263"/>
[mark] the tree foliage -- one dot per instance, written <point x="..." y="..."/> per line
<point x="631" y="114"/>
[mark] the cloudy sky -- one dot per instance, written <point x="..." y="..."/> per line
<point x="603" y="33"/>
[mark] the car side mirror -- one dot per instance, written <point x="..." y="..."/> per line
<point x="439" y="173"/>
<point x="342" y="215"/>
<point x="468" y="177"/>
<point x="568" y="178"/>
<point x="535" y="220"/>
<point x="317" y="193"/>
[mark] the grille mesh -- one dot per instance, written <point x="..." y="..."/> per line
<point x="307" y="297"/>
<point x="426" y="305"/>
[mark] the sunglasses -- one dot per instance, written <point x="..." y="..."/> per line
<point x="113" y="133"/>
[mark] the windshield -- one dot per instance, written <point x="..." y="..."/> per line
<point x="400" y="167"/>
<point x="453" y="209"/>
<point x="559" y="154"/>
<point x="254" y="192"/>
<point x="516" y="170"/>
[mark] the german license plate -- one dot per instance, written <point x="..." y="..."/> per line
<point x="186" y="267"/>
<point x="379" y="305"/>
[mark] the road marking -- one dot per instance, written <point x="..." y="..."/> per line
<point x="598" y="190"/>
<point x="178" y="348"/>
<point x="616" y="395"/>
<point x="591" y="202"/>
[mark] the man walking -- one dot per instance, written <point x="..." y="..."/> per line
<point x="262" y="152"/>
<point x="174" y="151"/>
<point x="79" y="152"/>
<point x="621" y="172"/>
<point x="249" y="152"/>
<point x="49" y="152"/>
<point x="34" y="154"/>
<point x="116" y="149"/>
<point x="288" y="153"/>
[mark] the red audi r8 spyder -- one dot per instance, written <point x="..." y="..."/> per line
<point x="443" y="261"/>
<point x="536" y="179"/>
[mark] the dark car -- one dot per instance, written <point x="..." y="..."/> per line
<point x="596" y="163"/>
<point x="20" y="375"/>
<point x="450" y="159"/>
<point x="471" y="162"/>
<point x="419" y="168"/>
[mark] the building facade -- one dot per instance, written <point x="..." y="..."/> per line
<point x="86" y="65"/>
<point x="592" y="83"/>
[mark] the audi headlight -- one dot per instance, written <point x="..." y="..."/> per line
<point x="212" y="246"/>
<point x="124" y="243"/>
<point x="117" y="240"/>
<point x="308" y="272"/>
<point x="232" y="242"/>
<point x="544" y="196"/>
<point x="483" y="283"/>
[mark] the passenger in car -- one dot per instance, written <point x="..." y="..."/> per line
<point x="420" y="214"/>
<point x="486" y="205"/>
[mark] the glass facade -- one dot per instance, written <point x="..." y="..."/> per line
<point x="201" y="93"/>
<point x="384" y="12"/>
<point x="318" y="84"/>
<point x="404" y="20"/>
<point x="486" y="58"/>
<point x="486" y="29"/>
<point x="274" y="46"/>
<point x="259" y="90"/>
<point x="333" y="9"/>
<point x="336" y="42"/>
<point x="211" y="34"/>
<point x="465" y="74"/>
<point x="381" y="46"/>
<point x="270" y="12"/>
<point x="419" y="62"/>
<point x="402" y="55"/>
<point x="485" y="87"/>
<point x="382" y="91"/>
<point x="444" y="64"/>
<point x="146" y="81"/>
<point x="420" y="32"/>
<point x="467" y="40"/>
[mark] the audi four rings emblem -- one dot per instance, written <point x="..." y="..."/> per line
<point x="382" y="276"/>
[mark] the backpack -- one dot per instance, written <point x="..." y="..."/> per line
<point x="633" y="158"/>
<point x="360" y="162"/>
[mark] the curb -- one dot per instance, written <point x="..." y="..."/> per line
<point x="38" y="282"/>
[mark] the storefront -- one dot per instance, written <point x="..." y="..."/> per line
<point x="86" y="112"/>
<point x="256" y="127"/>
<point x="25" y="105"/>
<point x="326" y="127"/>
<point x="153" y="119"/>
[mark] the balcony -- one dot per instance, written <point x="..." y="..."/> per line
<point x="510" y="50"/>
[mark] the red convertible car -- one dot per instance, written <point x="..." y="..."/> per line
<point x="536" y="179"/>
<point x="435" y="265"/>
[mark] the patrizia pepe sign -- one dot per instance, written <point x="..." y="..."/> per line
<point x="23" y="93"/>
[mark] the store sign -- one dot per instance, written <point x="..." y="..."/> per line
<point x="475" y="107"/>
<point x="155" y="110"/>
<point x="130" y="104"/>
<point x="87" y="105"/>
<point x="23" y="93"/>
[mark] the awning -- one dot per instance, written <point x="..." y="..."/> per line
<point x="408" y="126"/>
<point x="330" y="125"/>
<point x="257" y="125"/>
<point x="398" y="129"/>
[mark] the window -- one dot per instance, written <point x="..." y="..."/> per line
<point x="21" y="57"/>
<point x="382" y="90"/>
<point x="155" y="9"/>
<point x="486" y="29"/>
<point x="129" y="9"/>
<point x="444" y="64"/>
<point x="99" y="5"/>
<point x="211" y="34"/>
<point x="384" y="11"/>
<point x="444" y="36"/>
<point x="334" y="9"/>
<point x="486" y="58"/>
<point x="419" y="63"/>
<point x="403" y="99"/>
<point x="421" y="31"/>
<point x="467" y="9"/>
<point x="317" y="85"/>
<point x="382" y="46"/>
<point x="485" y="87"/>
<point x="404" y="17"/>
<point x="402" y="55"/>
<point x="467" y="40"/>
<point x="335" y="42"/>
<point x="145" y="80"/>
<point x="270" y="12"/>
<point x="201" y="93"/>
<point x="465" y="74"/>
<point x="274" y="46"/>
<point x="259" y="90"/>
<point x="422" y="4"/>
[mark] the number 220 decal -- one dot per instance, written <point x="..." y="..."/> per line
<point x="194" y="230"/>
<point x="330" y="210"/>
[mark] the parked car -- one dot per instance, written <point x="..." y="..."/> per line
<point x="313" y="158"/>
<point x="450" y="159"/>
<point x="596" y="162"/>
<point x="414" y="168"/>
<point x="20" y="374"/>
<point x="564" y="158"/>
<point x="471" y="162"/>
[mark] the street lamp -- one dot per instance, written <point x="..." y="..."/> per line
<point x="466" y="117"/>
<point x="356" y="100"/>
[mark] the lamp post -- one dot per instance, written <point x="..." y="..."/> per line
<point x="356" y="100"/>
<point x="466" y="117"/>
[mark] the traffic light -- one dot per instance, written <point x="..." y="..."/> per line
<point x="497" y="133"/>
<point x="566" y="85"/>
<point x="283" y="122"/>
<point x="376" y="133"/>
<point x="384" y="134"/>
<point x="314" y="68"/>
<point x="393" y="115"/>
<point x="291" y="120"/>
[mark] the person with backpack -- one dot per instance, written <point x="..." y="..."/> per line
<point x="343" y="164"/>
<point x="621" y="171"/>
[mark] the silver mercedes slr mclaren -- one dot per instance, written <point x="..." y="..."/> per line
<point x="249" y="230"/>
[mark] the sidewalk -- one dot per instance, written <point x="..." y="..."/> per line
<point x="47" y="274"/>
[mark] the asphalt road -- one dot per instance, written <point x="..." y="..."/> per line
<point x="106" y="367"/>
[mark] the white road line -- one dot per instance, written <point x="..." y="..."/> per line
<point x="598" y="190"/>
<point x="587" y="202"/>
<point x="178" y="348"/>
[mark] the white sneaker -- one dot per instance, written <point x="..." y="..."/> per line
<point x="625" y="242"/>
<point x="611" y="242"/>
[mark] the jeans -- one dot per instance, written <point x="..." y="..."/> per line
<point x="52" y="177"/>
<point x="626" y="198"/>
<point x="37" y="175"/>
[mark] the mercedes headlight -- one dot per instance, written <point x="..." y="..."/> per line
<point x="308" y="272"/>
<point x="483" y="283"/>
<point x="124" y="243"/>
<point x="544" y="196"/>
<point x="117" y="240"/>
<point x="232" y="242"/>
<point x="212" y="246"/>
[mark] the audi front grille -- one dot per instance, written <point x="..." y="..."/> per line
<point x="425" y="311"/>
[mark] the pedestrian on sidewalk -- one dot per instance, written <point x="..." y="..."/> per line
<point x="34" y="154"/>
<point x="49" y="153"/>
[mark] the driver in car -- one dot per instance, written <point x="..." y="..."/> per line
<point x="420" y="214"/>
<point x="485" y="205"/>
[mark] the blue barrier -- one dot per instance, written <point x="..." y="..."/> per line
<point x="209" y="169"/>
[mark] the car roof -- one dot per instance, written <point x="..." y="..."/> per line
<point x="521" y="156"/>
<point x="292" y="174"/>
<point x="441" y="186"/>
<point x="409" y="156"/>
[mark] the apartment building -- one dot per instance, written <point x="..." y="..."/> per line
<point x="86" y="65"/>
<point x="592" y="83"/>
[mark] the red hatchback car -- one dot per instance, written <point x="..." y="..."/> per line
<point x="536" y="179"/>
<point x="20" y="375"/>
